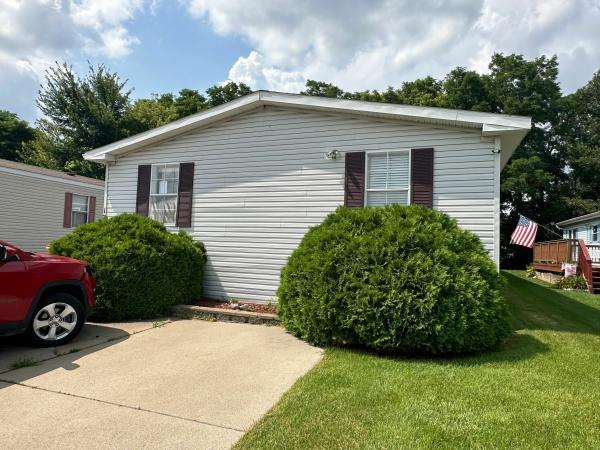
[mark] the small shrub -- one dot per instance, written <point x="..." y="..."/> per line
<point x="141" y="269"/>
<point x="577" y="282"/>
<point x="397" y="278"/>
<point x="530" y="271"/>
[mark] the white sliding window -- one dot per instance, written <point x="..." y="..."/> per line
<point x="388" y="178"/>
<point x="164" y="186"/>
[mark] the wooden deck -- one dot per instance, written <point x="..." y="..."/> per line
<point x="550" y="256"/>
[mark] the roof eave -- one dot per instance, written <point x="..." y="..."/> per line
<point x="579" y="219"/>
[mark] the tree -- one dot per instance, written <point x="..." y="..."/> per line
<point x="580" y="122"/>
<point x="321" y="89"/>
<point x="217" y="95"/>
<point x="189" y="102"/>
<point x="13" y="133"/>
<point x="148" y="113"/>
<point x="81" y="114"/>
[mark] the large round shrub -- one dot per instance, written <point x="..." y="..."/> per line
<point x="396" y="278"/>
<point x="141" y="269"/>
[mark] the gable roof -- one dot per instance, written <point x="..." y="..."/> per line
<point x="511" y="129"/>
<point x="595" y="216"/>
<point x="17" y="167"/>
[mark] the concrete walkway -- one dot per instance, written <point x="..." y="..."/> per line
<point x="182" y="384"/>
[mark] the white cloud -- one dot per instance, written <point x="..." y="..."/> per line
<point x="35" y="33"/>
<point x="363" y="44"/>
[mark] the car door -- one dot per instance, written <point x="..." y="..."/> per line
<point x="15" y="296"/>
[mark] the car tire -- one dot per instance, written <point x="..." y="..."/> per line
<point x="56" y="320"/>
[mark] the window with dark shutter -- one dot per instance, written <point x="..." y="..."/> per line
<point x="354" y="186"/>
<point x="143" y="190"/>
<point x="184" y="202"/>
<point x="422" y="176"/>
<point x="67" y="210"/>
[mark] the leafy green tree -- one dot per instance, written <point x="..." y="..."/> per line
<point x="189" y="102"/>
<point x="465" y="89"/>
<point x="148" y="113"/>
<point x="81" y="114"/>
<point x="322" y="89"/>
<point x="13" y="133"/>
<point x="217" y="95"/>
<point x="580" y="122"/>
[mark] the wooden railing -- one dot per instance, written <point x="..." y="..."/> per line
<point x="585" y="264"/>
<point x="555" y="252"/>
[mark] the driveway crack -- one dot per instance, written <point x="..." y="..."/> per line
<point x="138" y="408"/>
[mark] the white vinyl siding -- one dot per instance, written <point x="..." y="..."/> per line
<point x="33" y="208"/>
<point x="261" y="180"/>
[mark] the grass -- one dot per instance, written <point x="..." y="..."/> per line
<point x="539" y="390"/>
<point x="23" y="362"/>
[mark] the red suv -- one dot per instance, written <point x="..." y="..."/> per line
<point x="47" y="297"/>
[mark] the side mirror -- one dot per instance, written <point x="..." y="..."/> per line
<point x="3" y="253"/>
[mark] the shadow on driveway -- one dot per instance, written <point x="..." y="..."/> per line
<point x="16" y="352"/>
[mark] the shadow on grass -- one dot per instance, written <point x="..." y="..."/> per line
<point x="538" y="307"/>
<point x="518" y="347"/>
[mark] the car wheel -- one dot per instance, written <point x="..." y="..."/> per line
<point x="56" y="320"/>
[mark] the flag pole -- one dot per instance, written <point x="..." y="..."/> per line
<point x="551" y="231"/>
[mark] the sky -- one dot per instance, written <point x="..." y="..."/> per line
<point x="167" y="45"/>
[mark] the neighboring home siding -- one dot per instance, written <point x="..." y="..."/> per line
<point x="261" y="180"/>
<point x="32" y="208"/>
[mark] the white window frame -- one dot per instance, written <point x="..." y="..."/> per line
<point x="371" y="152"/>
<point x="592" y="233"/>
<point x="87" y="213"/>
<point x="176" y="194"/>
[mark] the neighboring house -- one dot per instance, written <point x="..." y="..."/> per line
<point x="583" y="227"/>
<point x="249" y="177"/>
<point x="587" y="228"/>
<point x="39" y="205"/>
<point x="579" y="247"/>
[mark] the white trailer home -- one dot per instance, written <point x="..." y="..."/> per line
<point x="38" y="205"/>
<point x="249" y="177"/>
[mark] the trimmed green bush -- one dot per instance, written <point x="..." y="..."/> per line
<point x="403" y="279"/>
<point x="141" y="269"/>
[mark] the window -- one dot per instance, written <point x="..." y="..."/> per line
<point x="79" y="210"/>
<point x="164" y="185"/>
<point x="388" y="176"/>
<point x="595" y="233"/>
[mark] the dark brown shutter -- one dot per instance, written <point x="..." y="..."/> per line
<point x="184" y="201"/>
<point x="421" y="174"/>
<point x="92" y="210"/>
<point x="143" y="190"/>
<point x="68" y="209"/>
<point x="354" y="190"/>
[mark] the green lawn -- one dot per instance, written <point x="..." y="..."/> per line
<point x="540" y="390"/>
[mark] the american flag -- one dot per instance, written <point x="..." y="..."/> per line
<point x="525" y="232"/>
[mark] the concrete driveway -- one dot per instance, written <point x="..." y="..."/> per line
<point x="181" y="384"/>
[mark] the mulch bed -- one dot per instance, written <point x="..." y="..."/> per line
<point x="240" y="306"/>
